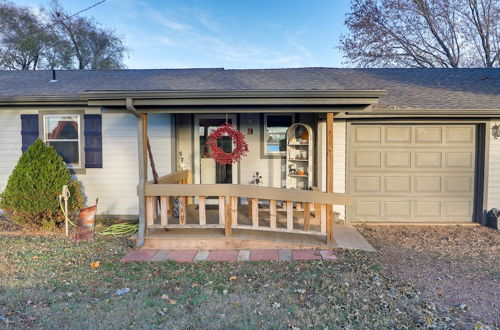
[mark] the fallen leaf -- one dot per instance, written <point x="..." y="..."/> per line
<point x="172" y="302"/>
<point x="233" y="278"/>
<point x="95" y="265"/>
<point x="165" y="296"/>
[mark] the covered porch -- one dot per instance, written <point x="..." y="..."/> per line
<point x="178" y="215"/>
<point x="181" y="210"/>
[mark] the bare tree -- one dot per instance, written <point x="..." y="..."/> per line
<point x="23" y="41"/>
<point x="423" y="33"/>
<point x="93" y="47"/>
<point x="55" y="39"/>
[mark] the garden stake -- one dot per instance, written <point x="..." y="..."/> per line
<point x="65" y="195"/>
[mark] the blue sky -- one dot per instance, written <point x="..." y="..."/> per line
<point x="222" y="33"/>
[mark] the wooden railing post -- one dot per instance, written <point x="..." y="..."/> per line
<point x="229" y="221"/>
<point x="182" y="210"/>
<point x="222" y="210"/>
<point x="272" y="214"/>
<point x="150" y="211"/>
<point x="255" y="212"/>
<point x="164" y="204"/>
<point x="234" y="210"/>
<point x="329" y="224"/>
<point x="202" y="210"/>
<point x="289" y="215"/>
<point x="307" y="216"/>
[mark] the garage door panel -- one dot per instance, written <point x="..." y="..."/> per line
<point x="458" y="185"/>
<point x="397" y="159"/>
<point x="367" y="134"/>
<point x="427" y="184"/>
<point x="428" y="134"/>
<point x="462" y="160"/>
<point x="366" y="209"/>
<point x="424" y="160"/>
<point x="367" y="184"/>
<point x="460" y="135"/>
<point x="397" y="184"/>
<point x="398" y="134"/>
<point x="398" y="209"/>
<point x="367" y="159"/>
<point x="425" y="210"/>
<point x="420" y="173"/>
<point x="458" y="209"/>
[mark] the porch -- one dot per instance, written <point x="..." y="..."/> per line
<point x="179" y="216"/>
<point x="193" y="208"/>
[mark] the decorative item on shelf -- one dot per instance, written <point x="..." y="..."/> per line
<point x="240" y="146"/>
<point x="300" y="150"/>
<point x="256" y="178"/>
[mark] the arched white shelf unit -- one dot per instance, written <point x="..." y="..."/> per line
<point x="299" y="156"/>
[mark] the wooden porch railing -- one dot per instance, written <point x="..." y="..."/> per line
<point x="314" y="206"/>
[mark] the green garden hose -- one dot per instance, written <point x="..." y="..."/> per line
<point x="120" y="229"/>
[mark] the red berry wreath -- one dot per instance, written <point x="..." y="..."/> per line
<point x="240" y="147"/>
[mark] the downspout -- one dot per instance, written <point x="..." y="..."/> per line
<point x="142" y="164"/>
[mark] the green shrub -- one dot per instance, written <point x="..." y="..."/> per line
<point x="31" y="196"/>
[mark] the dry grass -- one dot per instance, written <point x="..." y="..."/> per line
<point x="47" y="283"/>
<point x="457" y="267"/>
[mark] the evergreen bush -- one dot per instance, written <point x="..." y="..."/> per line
<point x="31" y="196"/>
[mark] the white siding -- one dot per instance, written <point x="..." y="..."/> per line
<point x="493" y="176"/>
<point x="116" y="183"/>
<point x="271" y="169"/>
<point x="10" y="143"/>
<point x="339" y="159"/>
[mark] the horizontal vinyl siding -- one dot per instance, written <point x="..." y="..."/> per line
<point x="339" y="159"/>
<point x="493" y="176"/>
<point x="271" y="169"/>
<point x="10" y="143"/>
<point x="116" y="183"/>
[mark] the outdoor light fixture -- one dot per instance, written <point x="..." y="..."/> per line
<point x="495" y="131"/>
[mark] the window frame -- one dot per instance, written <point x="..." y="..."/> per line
<point x="80" y="166"/>
<point x="265" y="134"/>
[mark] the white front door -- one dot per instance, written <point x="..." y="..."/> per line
<point x="206" y="170"/>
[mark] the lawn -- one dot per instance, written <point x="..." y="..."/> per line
<point x="47" y="282"/>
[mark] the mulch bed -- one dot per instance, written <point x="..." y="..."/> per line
<point x="458" y="267"/>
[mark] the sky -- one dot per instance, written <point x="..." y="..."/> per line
<point x="227" y="34"/>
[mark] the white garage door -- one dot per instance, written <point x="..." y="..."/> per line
<point x="411" y="173"/>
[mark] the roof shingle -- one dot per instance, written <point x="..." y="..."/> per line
<point x="416" y="88"/>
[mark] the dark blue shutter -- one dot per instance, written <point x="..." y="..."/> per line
<point x="93" y="141"/>
<point x="29" y="130"/>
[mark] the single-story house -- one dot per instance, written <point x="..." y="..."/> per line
<point x="382" y="145"/>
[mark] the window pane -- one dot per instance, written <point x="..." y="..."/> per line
<point x="276" y="132"/>
<point x="61" y="127"/>
<point x="68" y="151"/>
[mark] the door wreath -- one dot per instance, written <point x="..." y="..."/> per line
<point x="240" y="146"/>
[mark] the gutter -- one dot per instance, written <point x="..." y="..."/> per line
<point x="142" y="180"/>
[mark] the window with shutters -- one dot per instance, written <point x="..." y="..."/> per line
<point x="63" y="132"/>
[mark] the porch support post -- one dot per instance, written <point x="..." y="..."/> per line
<point x="329" y="175"/>
<point x="142" y="148"/>
<point x="142" y="135"/>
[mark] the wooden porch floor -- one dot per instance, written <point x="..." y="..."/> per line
<point x="194" y="237"/>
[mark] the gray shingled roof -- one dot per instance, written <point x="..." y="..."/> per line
<point x="418" y="88"/>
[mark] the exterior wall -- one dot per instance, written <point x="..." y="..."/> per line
<point x="10" y="143"/>
<point x="116" y="183"/>
<point x="271" y="167"/>
<point x="493" y="175"/>
<point x="339" y="159"/>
